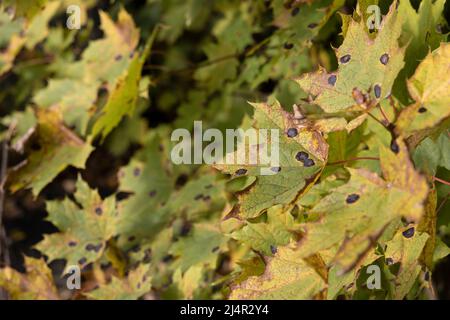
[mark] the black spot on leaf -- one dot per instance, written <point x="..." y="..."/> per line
<point x="152" y="193"/>
<point x="288" y="45"/>
<point x="131" y="238"/>
<point x="98" y="211"/>
<point x="198" y="197"/>
<point x="273" y="249"/>
<point x="136" y="172"/>
<point x="332" y="80"/>
<point x="312" y="25"/>
<point x="292" y="132"/>
<point x="422" y="110"/>
<point x="389" y="261"/>
<point x="308" y="163"/>
<point x="72" y="243"/>
<point x="241" y="172"/>
<point x="118" y="57"/>
<point x="394" y="146"/>
<point x="209" y="186"/>
<point x="384" y="59"/>
<point x="377" y="91"/>
<point x="82" y="261"/>
<point x="352" y="198"/>
<point x="295" y="11"/>
<point x="408" y="233"/>
<point x="301" y="156"/>
<point x="345" y="59"/>
<point x="93" y="247"/>
<point x="275" y="169"/>
<point x="215" y="249"/>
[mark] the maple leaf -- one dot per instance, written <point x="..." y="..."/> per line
<point x="286" y="276"/>
<point x="85" y="227"/>
<point x="302" y="154"/>
<point x="405" y="248"/>
<point x="58" y="148"/>
<point x="364" y="63"/>
<point x="135" y="285"/>
<point x="429" y="87"/>
<point x="35" y="284"/>
<point x="355" y="215"/>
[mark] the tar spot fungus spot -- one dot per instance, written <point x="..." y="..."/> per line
<point x="352" y="198"/>
<point x="92" y="247"/>
<point x="389" y="261"/>
<point x="209" y="186"/>
<point x="82" y="261"/>
<point x="384" y="59"/>
<point x="288" y="45"/>
<point x="98" y="211"/>
<point x="292" y="132"/>
<point x="273" y="249"/>
<point x="377" y="91"/>
<point x="426" y="276"/>
<point x="301" y="156"/>
<point x="136" y="172"/>
<point x="345" y="59"/>
<point x="167" y="258"/>
<point x="131" y="238"/>
<point x="206" y="198"/>
<point x="152" y="193"/>
<point x="241" y="172"/>
<point x="275" y="169"/>
<point x="215" y="249"/>
<point x="408" y="233"/>
<point x="198" y="197"/>
<point x="332" y="80"/>
<point x="312" y="25"/>
<point x="136" y="248"/>
<point x="295" y="11"/>
<point x="118" y="57"/>
<point x="308" y="163"/>
<point x="422" y="110"/>
<point x="394" y="146"/>
<point x="72" y="243"/>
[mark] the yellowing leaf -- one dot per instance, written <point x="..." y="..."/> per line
<point x="429" y="87"/>
<point x="287" y="276"/>
<point x="58" y="148"/>
<point x="364" y="63"/>
<point x="293" y="175"/>
<point x="406" y="249"/>
<point x="35" y="284"/>
<point x="135" y="285"/>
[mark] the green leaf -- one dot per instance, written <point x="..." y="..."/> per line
<point x="406" y="251"/>
<point x="85" y="226"/>
<point x="267" y="236"/>
<point x="136" y="284"/>
<point x="58" y="148"/>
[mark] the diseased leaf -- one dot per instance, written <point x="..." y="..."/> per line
<point x="286" y="276"/>
<point x="35" y="284"/>
<point x="58" y="148"/>
<point x="364" y="63"/>
<point x="302" y="154"/>
<point x="135" y="285"/>
<point x="429" y="87"/>
<point x="85" y="227"/>
<point x="406" y="250"/>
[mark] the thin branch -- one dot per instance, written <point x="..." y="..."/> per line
<point x="441" y="181"/>
<point x="441" y="205"/>
<point x="384" y="114"/>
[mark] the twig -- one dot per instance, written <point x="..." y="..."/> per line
<point x="384" y="114"/>
<point x="441" y="181"/>
<point x="4" y="257"/>
<point x="441" y="205"/>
